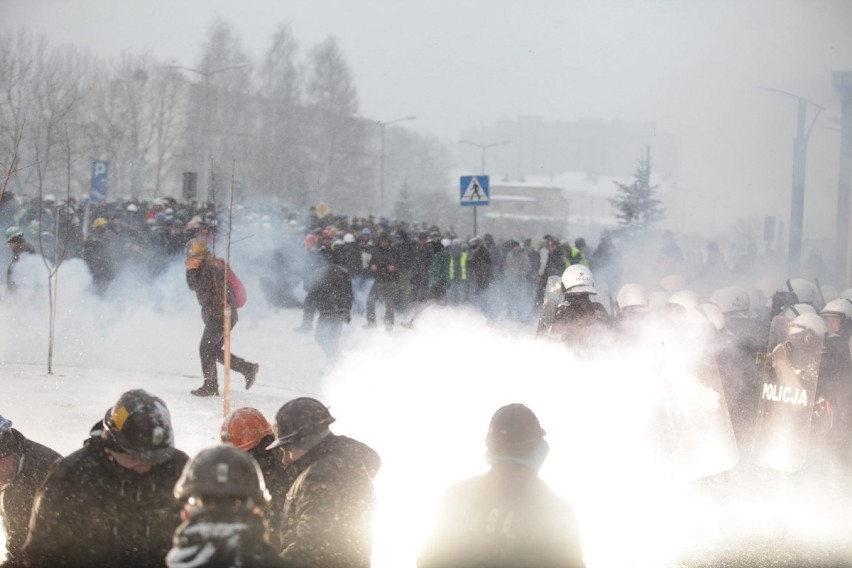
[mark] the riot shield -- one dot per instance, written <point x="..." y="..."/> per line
<point x="787" y="402"/>
<point x="778" y="331"/>
<point x="700" y="437"/>
<point x="552" y="297"/>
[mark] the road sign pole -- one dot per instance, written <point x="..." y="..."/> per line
<point x="474" y="219"/>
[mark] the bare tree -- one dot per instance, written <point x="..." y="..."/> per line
<point x="132" y="116"/>
<point x="58" y="248"/>
<point x="221" y="115"/>
<point x="278" y="152"/>
<point x="336" y="137"/>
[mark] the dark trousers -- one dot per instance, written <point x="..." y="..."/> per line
<point x="328" y="331"/>
<point x="211" y="351"/>
<point x="382" y="292"/>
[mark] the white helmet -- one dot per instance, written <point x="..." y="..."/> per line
<point x="577" y="279"/>
<point x="828" y="292"/>
<point x="839" y="307"/>
<point x="714" y="314"/>
<point x="631" y="296"/>
<point x="348" y="238"/>
<point x="686" y="299"/>
<point x="807" y="322"/>
<point x="731" y="299"/>
<point x="672" y="283"/>
<point x="657" y="299"/>
<point x="797" y="310"/>
<point x="446" y="242"/>
<point x="804" y="290"/>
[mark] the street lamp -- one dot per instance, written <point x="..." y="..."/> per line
<point x="484" y="148"/>
<point x="383" y="124"/>
<point x="206" y="142"/>
<point x="797" y="201"/>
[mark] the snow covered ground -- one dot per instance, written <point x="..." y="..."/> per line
<point x="422" y="398"/>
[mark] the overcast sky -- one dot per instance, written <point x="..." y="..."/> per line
<point x="693" y="66"/>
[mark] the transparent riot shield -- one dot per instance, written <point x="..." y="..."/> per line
<point x="700" y="437"/>
<point x="786" y="406"/>
<point x="552" y="297"/>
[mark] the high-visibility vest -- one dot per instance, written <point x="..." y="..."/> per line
<point x="462" y="266"/>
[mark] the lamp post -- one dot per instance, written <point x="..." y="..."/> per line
<point x="484" y="148"/>
<point x="843" y="86"/>
<point x="206" y="142"/>
<point x="383" y="124"/>
<point x="797" y="200"/>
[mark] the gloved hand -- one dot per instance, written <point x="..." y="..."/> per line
<point x="192" y="263"/>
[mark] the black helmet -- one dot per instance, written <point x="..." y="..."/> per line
<point x="222" y="471"/>
<point x="140" y="425"/>
<point x="298" y="419"/>
<point x="514" y="430"/>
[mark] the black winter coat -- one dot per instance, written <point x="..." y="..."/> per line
<point x="32" y="463"/>
<point x="208" y="283"/>
<point x="331" y="292"/>
<point x="93" y="512"/>
<point x="328" y="514"/>
<point x="507" y="518"/>
<point x="384" y="264"/>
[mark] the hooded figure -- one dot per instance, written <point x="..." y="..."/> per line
<point x="507" y="517"/>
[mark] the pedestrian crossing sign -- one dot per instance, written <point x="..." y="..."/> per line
<point x="474" y="190"/>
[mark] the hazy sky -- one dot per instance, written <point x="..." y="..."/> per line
<point x="693" y="66"/>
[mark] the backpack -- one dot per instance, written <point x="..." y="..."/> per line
<point x="238" y="289"/>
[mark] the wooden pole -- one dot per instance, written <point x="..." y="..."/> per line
<point x="227" y="345"/>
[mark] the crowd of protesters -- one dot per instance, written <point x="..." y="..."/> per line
<point x="503" y="276"/>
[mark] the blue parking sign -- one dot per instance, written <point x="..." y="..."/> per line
<point x="100" y="176"/>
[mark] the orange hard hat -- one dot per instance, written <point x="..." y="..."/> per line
<point x="244" y="428"/>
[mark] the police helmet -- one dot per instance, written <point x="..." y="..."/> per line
<point x="731" y="299"/>
<point x="804" y="290"/>
<point x="631" y="295"/>
<point x="577" y="279"/>
<point x="838" y="307"/>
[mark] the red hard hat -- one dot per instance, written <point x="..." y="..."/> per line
<point x="244" y="428"/>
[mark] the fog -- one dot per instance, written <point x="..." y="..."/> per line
<point x="693" y="68"/>
<point x="422" y="398"/>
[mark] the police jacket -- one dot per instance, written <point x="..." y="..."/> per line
<point x="208" y="283"/>
<point x="505" y="518"/>
<point x="328" y="513"/>
<point x="31" y="465"/>
<point x="93" y="512"/>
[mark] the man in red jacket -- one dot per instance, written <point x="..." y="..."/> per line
<point x="206" y="278"/>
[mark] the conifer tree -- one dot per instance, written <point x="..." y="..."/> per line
<point x="636" y="206"/>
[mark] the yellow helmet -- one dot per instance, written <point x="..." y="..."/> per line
<point x="99" y="222"/>
<point x="196" y="248"/>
